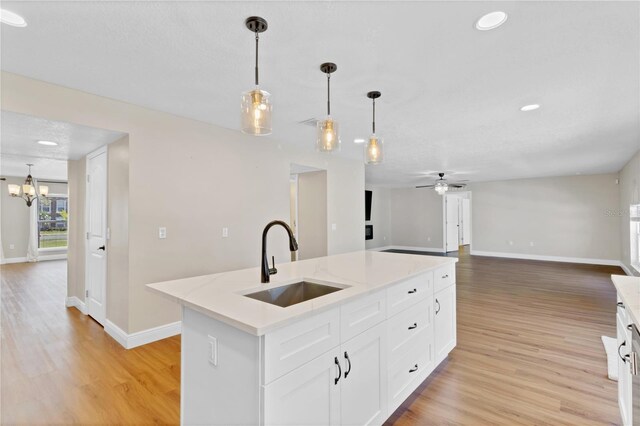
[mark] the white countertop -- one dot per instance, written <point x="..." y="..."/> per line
<point x="221" y="295"/>
<point x="629" y="291"/>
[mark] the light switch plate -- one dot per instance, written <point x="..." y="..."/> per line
<point x="225" y="232"/>
<point x="162" y="232"/>
<point x="333" y="226"/>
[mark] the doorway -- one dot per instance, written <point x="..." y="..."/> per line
<point x="457" y="220"/>
<point x="308" y="209"/>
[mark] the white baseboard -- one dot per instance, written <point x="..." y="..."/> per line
<point x="76" y="303"/>
<point x="607" y="262"/>
<point x="425" y="249"/>
<point x="8" y="260"/>
<point x="129" y="341"/>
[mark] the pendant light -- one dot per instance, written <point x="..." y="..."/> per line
<point x="373" y="150"/>
<point x="29" y="192"/>
<point x="328" y="129"/>
<point x="255" y="106"/>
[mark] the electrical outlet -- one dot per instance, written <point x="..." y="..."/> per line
<point x="510" y="242"/>
<point x="531" y="243"/>
<point x="12" y="246"/>
<point x="428" y="238"/>
<point x="225" y="232"/>
<point x="333" y="226"/>
<point x="213" y="350"/>
<point x="162" y="232"/>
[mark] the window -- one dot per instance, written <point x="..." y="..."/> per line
<point x="634" y="226"/>
<point x="52" y="222"/>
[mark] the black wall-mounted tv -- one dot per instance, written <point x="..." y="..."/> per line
<point x="367" y="205"/>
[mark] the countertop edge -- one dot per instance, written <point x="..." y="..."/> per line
<point x="622" y="292"/>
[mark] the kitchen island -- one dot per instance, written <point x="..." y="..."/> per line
<point x="350" y="356"/>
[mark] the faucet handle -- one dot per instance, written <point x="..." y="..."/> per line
<point x="273" y="270"/>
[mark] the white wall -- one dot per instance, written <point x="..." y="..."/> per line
<point x="195" y="178"/>
<point x="416" y="218"/>
<point x="312" y="215"/>
<point x="561" y="216"/>
<point x="629" y="194"/>
<point x="380" y="217"/>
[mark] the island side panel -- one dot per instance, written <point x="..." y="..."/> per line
<point x="221" y="392"/>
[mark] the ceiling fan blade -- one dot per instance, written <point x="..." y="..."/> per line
<point x="425" y="186"/>
<point x="457" y="185"/>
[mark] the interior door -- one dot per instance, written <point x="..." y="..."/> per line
<point x="466" y="221"/>
<point x="452" y="219"/>
<point x="364" y="378"/>
<point x="96" y="226"/>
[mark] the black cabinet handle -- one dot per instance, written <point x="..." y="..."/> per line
<point x="415" y="325"/>
<point x="346" y="356"/>
<point x="438" y="309"/>
<point x="414" y="369"/>
<point x="620" y="305"/>
<point x="412" y="291"/>
<point x="101" y="248"/>
<point x="620" y="347"/>
<point x="337" y="379"/>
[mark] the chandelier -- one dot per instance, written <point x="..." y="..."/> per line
<point x="29" y="192"/>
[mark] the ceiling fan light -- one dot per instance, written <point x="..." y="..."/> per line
<point x="373" y="151"/>
<point x="441" y="187"/>
<point x="328" y="135"/>
<point x="256" y="112"/>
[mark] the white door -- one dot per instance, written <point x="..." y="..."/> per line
<point x="309" y="395"/>
<point x="466" y="221"/>
<point x="451" y="212"/>
<point x="364" y="378"/>
<point x="444" y="322"/>
<point x="96" y="226"/>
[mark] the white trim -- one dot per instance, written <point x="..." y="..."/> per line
<point x="75" y="302"/>
<point x="8" y="260"/>
<point x="627" y="270"/>
<point x="129" y="341"/>
<point x="608" y="262"/>
<point x="425" y="249"/>
<point x="50" y="249"/>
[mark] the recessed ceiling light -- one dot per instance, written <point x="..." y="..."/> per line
<point x="529" y="107"/>
<point x="491" y="20"/>
<point x="10" y="18"/>
<point x="358" y="141"/>
<point x="48" y="143"/>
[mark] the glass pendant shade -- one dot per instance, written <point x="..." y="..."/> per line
<point x="28" y="189"/>
<point x="14" y="190"/>
<point x="256" y="112"/>
<point x="373" y="152"/>
<point x="44" y="190"/>
<point x="441" y="187"/>
<point x="328" y="135"/>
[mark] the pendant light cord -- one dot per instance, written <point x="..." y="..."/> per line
<point x="374" y="116"/>
<point x="328" y="93"/>
<point x="257" y="57"/>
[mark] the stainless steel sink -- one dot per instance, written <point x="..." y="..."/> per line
<point x="291" y="294"/>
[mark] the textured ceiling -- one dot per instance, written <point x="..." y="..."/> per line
<point x="18" y="144"/>
<point x="451" y="95"/>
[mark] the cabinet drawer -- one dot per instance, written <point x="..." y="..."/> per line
<point x="409" y="292"/>
<point x="444" y="277"/>
<point x="289" y="347"/>
<point x="406" y="373"/>
<point x="406" y="327"/>
<point x="358" y="316"/>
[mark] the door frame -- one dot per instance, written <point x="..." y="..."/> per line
<point x="458" y="194"/>
<point x="101" y="150"/>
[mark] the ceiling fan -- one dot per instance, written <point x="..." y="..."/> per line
<point x="441" y="185"/>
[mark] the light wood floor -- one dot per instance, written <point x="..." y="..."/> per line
<point x="529" y="352"/>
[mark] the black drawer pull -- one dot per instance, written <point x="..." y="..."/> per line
<point x="414" y="369"/>
<point x="620" y="305"/>
<point x="415" y="325"/>
<point x="415" y="290"/>
<point x="337" y="379"/>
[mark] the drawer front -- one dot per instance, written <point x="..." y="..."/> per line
<point x="407" y="293"/>
<point x="289" y="347"/>
<point x="409" y="370"/>
<point x="362" y="314"/>
<point x="444" y="277"/>
<point x="406" y="327"/>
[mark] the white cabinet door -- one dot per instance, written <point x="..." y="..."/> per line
<point x="364" y="378"/>
<point x="444" y="310"/>
<point x="309" y="395"/>
<point x="624" y="374"/>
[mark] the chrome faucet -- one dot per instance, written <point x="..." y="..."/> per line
<point x="265" y="271"/>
